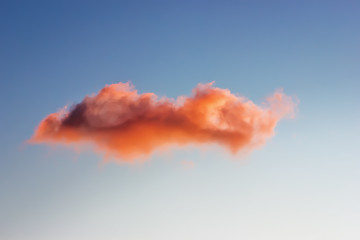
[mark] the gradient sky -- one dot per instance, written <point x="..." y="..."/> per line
<point x="304" y="184"/>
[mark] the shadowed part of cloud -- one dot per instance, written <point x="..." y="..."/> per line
<point x="122" y="123"/>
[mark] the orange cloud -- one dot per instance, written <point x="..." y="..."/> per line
<point x="120" y="122"/>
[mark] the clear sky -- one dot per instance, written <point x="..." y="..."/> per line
<point x="303" y="184"/>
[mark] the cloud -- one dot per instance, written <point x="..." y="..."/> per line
<point x="120" y="122"/>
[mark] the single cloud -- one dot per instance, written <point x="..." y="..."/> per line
<point x="124" y="124"/>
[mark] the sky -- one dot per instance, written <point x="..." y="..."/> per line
<point x="302" y="184"/>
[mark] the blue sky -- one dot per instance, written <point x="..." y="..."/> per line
<point x="304" y="184"/>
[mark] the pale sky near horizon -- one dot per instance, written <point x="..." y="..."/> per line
<point x="303" y="184"/>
